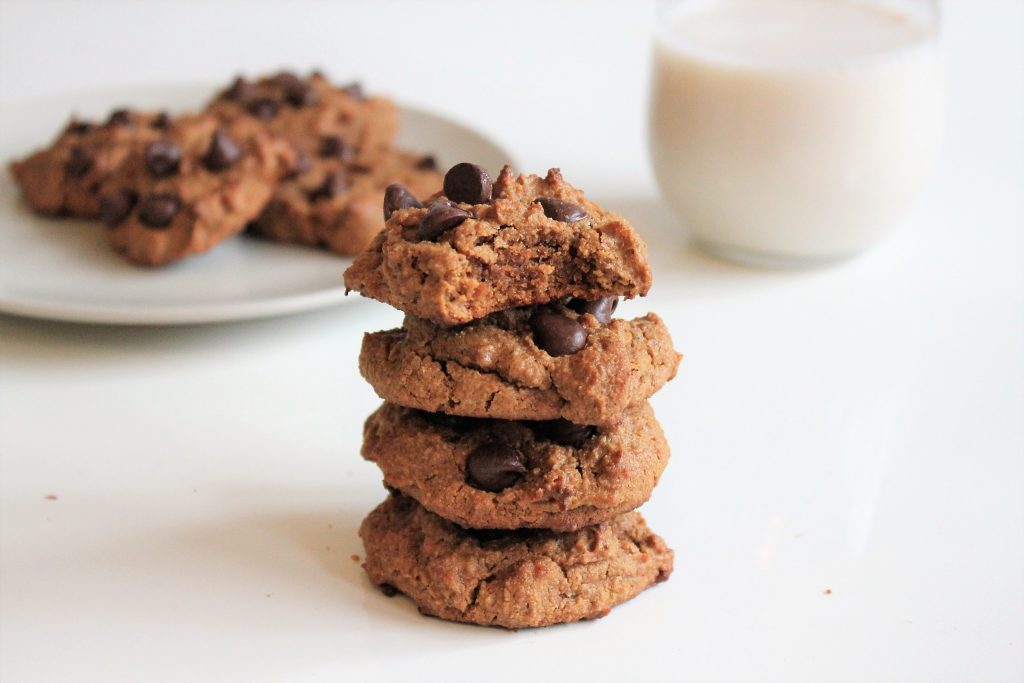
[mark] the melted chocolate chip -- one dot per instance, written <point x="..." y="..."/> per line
<point x="240" y="90"/>
<point x="161" y="121"/>
<point x="427" y="163"/>
<point x="79" y="162"/>
<point x="557" y="333"/>
<point x="388" y="590"/>
<point x="564" y="432"/>
<point x="121" y="117"/>
<point x="285" y="79"/>
<point x="333" y="185"/>
<point x="158" y="210"/>
<point x="398" y="197"/>
<point x="602" y="309"/>
<point x="335" y="147"/>
<point x="494" y="467"/>
<point x="439" y="219"/>
<point x="262" y="108"/>
<point x="300" y="94"/>
<point x="116" y="206"/>
<point x="467" y="183"/>
<point x="163" y="158"/>
<point x="456" y="423"/>
<point x="561" y="210"/>
<point x="222" y="153"/>
<point x="79" y="127"/>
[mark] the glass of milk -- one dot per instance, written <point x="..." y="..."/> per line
<point x="794" y="132"/>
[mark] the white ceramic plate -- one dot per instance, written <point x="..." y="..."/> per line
<point x="64" y="270"/>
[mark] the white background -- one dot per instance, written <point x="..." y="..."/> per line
<point x="858" y="429"/>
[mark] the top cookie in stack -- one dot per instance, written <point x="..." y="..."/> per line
<point x="525" y="240"/>
<point x="515" y="438"/>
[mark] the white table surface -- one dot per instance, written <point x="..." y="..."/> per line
<point x="858" y="430"/>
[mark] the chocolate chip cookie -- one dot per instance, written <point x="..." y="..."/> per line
<point x="531" y="363"/>
<point x="504" y="474"/>
<point x="336" y="202"/>
<point x="516" y="579"/>
<point x="199" y="183"/>
<point x="312" y="113"/>
<point x="67" y="177"/>
<point x="484" y="247"/>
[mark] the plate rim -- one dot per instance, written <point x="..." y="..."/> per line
<point x="199" y="313"/>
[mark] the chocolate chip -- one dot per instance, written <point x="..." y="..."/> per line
<point x="334" y="184"/>
<point x="222" y="153"/>
<point x="398" y="197"/>
<point x="564" y="432"/>
<point x="300" y="94"/>
<point x="120" y="117"/>
<point x="467" y="183"/>
<point x="262" y="108"/>
<point x="602" y="309"/>
<point x="79" y="127"/>
<point x="79" y="162"/>
<point x="285" y="79"/>
<point x="161" y="121"/>
<point x="335" y="147"/>
<point x="561" y="210"/>
<point x="354" y="89"/>
<point x="240" y="90"/>
<point x="116" y="206"/>
<point x="388" y="590"/>
<point x="494" y="466"/>
<point x="427" y="163"/>
<point x="557" y="333"/>
<point x="158" y="210"/>
<point x="163" y="158"/>
<point x="440" y="218"/>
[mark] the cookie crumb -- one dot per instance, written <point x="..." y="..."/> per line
<point x="827" y="591"/>
<point x="50" y="496"/>
<point x="355" y="558"/>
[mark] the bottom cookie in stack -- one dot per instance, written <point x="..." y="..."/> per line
<point x="514" y="579"/>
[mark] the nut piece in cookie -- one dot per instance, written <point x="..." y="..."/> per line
<point x="509" y="366"/>
<point x="66" y="178"/>
<point x="512" y="579"/>
<point x="199" y="183"/>
<point x="336" y="203"/>
<point x="519" y="241"/>
<point x="504" y="474"/>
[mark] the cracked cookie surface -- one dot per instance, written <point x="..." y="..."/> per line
<point x="533" y="240"/>
<point x="516" y="579"/>
<point x="201" y="182"/>
<point x="309" y="111"/>
<point x="493" y="367"/>
<point x="66" y="178"/>
<point x="336" y="204"/>
<point x="563" y="477"/>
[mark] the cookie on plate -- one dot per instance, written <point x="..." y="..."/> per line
<point x="515" y="579"/>
<point x="201" y="182"/>
<point x="312" y="112"/>
<point x="568" y="360"/>
<point x="336" y="203"/>
<point x="484" y="247"/>
<point x="505" y="474"/>
<point x="67" y="177"/>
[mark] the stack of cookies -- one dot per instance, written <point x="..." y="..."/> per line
<point x="292" y="159"/>
<point x="515" y="438"/>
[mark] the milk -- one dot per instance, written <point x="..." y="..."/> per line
<point x="794" y="131"/>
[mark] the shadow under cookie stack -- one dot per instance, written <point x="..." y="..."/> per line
<point x="515" y="438"/>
